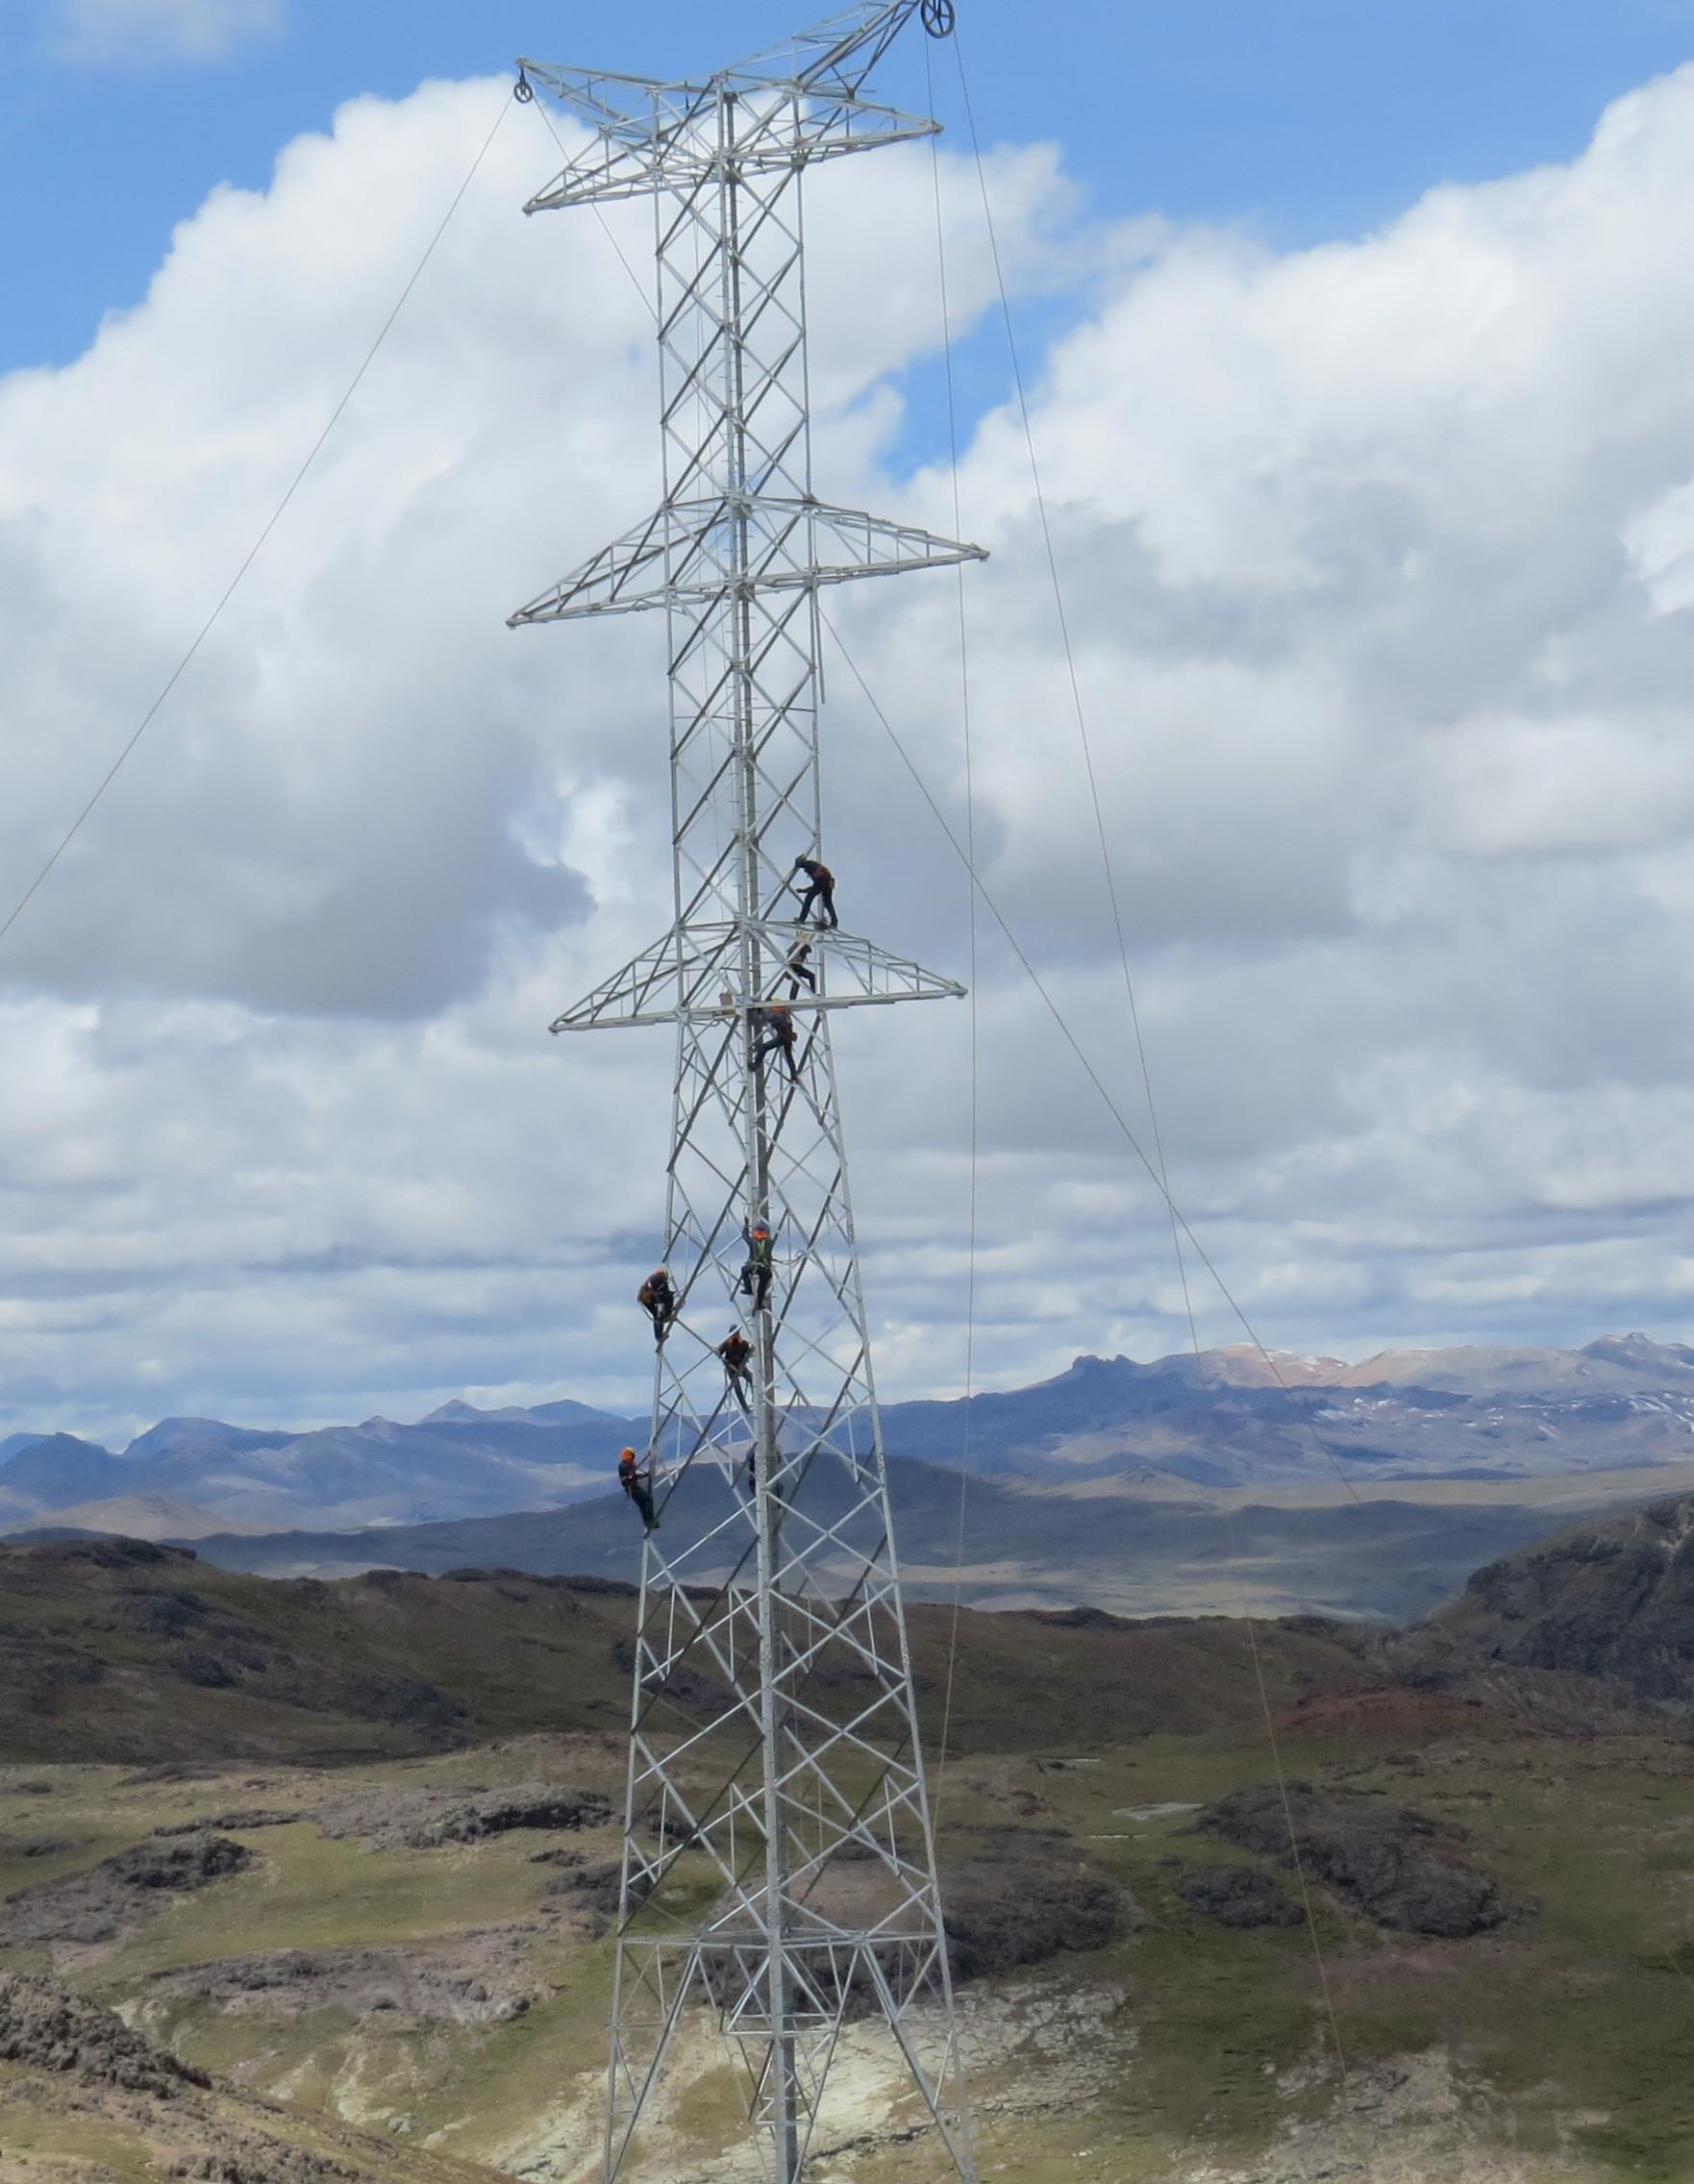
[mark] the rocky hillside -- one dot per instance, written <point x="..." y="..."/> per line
<point x="121" y="1650"/>
<point x="1162" y="1948"/>
<point x="1613" y="1598"/>
<point x="82" y="2096"/>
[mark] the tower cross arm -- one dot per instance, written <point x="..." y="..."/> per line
<point x="780" y="126"/>
<point x="797" y="103"/>
<point x="677" y="556"/>
<point x="695" y="972"/>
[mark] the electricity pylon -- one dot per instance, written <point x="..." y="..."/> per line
<point x="779" y="1865"/>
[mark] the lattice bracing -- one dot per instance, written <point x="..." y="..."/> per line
<point x="778" y="1869"/>
<point x="793" y="106"/>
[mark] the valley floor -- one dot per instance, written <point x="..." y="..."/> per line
<point x="389" y="2007"/>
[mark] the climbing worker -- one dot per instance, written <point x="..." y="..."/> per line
<point x="755" y="1274"/>
<point x="736" y="1349"/>
<point x="773" y="1030"/>
<point x="637" y="1484"/>
<point x="658" y="1301"/>
<point x="820" y="888"/>
<point x="797" y="970"/>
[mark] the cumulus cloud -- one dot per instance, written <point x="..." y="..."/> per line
<point x="143" y="30"/>
<point x="1376" y="563"/>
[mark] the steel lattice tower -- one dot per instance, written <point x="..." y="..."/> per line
<point x="779" y="1865"/>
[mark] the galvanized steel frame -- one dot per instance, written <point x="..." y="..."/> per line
<point x="774" y="1755"/>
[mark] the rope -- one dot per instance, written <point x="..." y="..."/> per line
<point x="1162" y="1174"/>
<point x="635" y="281"/>
<point x="1070" y="664"/>
<point x="961" y="851"/>
<point x="252" y="552"/>
<point x="1063" y="1028"/>
<point x="970" y="821"/>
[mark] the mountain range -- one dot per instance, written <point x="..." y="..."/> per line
<point x="1223" y="1418"/>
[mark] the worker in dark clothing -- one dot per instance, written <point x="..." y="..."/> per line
<point x="637" y="1484"/>
<point x="773" y="1031"/>
<point x="755" y="1274"/>
<point x="820" y="888"/>
<point x="735" y="1350"/>
<point x="658" y="1301"/>
<point x="798" y="970"/>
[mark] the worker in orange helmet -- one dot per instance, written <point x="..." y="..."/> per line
<point x="761" y="1263"/>
<point x="637" y="1484"/>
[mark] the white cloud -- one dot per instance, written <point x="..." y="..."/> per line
<point x="1372" y="557"/>
<point x="143" y="30"/>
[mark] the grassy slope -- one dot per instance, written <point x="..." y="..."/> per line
<point x="1567" y="2029"/>
<point x="103" y="1653"/>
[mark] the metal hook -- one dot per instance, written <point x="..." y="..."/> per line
<point x="940" y="18"/>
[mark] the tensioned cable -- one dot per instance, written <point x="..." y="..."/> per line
<point x="252" y="552"/>
<point x="1122" y="1121"/>
<point x="1163" y="1176"/>
<point x="971" y="822"/>
<point x="1117" y="1115"/>
<point x="635" y="283"/>
<point x="1070" y="663"/>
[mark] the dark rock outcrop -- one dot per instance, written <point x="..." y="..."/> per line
<point x="480" y="1975"/>
<point x="1611" y="1598"/>
<point x="107" y="1899"/>
<point x="426" y="1820"/>
<point x="1239" y="1896"/>
<point x="1019" y="1896"/>
<point x="1396" y="1865"/>
<point x="45" y="2028"/>
<point x="257" y="1816"/>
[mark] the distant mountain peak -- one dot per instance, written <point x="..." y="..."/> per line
<point x="1640" y="1350"/>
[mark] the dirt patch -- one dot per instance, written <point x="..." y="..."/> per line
<point x="103" y="1904"/>
<point x="1239" y="1896"/>
<point x="46" y="2029"/>
<point x="1396" y="1865"/>
<point x="481" y="1977"/>
<point x="1401" y="2120"/>
<point x="426" y="1820"/>
<point x="1371" y="1710"/>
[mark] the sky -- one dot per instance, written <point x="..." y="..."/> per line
<point x="1355" y="350"/>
